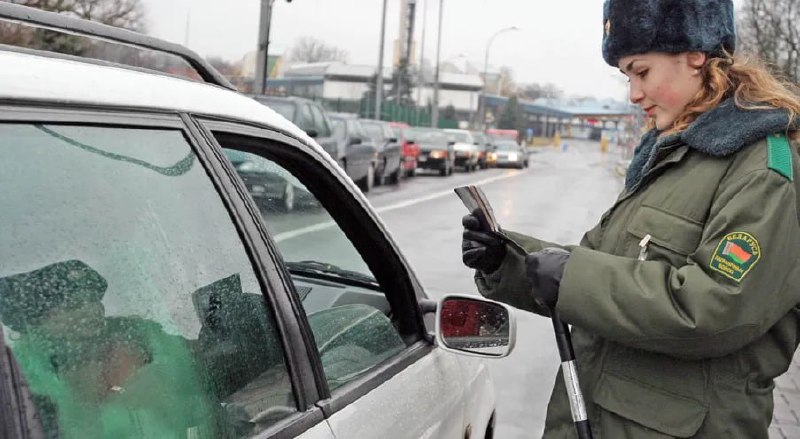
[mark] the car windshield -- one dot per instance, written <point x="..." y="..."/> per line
<point x="427" y="136"/>
<point x="507" y="146"/>
<point x="285" y="109"/>
<point x="459" y="137"/>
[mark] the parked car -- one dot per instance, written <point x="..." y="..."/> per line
<point x="360" y="159"/>
<point x="309" y="116"/>
<point x="484" y="150"/>
<point x="144" y="294"/>
<point x="389" y="164"/>
<point x="409" y="150"/>
<point x="435" y="150"/>
<point x="509" y="153"/>
<point x="466" y="149"/>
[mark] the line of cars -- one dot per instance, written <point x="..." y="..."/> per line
<point x="374" y="152"/>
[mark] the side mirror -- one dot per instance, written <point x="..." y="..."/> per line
<point x="476" y="143"/>
<point x="393" y="140"/>
<point x="450" y="142"/>
<point x="312" y="133"/>
<point x="355" y="141"/>
<point x="410" y="141"/>
<point x="471" y="325"/>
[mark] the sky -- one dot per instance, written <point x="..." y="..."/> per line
<point x="558" y="42"/>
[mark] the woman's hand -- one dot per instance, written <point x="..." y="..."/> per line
<point x="545" y="269"/>
<point x="480" y="250"/>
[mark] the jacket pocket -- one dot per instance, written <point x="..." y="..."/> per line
<point x="644" y="408"/>
<point x="671" y="236"/>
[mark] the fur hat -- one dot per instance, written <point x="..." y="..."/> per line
<point x="634" y="27"/>
<point x="27" y="297"/>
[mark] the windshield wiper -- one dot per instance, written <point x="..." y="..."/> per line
<point x="329" y="271"/>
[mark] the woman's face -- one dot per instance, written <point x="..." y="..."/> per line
<point x="663" y="84"/>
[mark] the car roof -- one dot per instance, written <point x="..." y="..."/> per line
<point x="41" y="78"/>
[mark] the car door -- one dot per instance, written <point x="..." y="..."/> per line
<point x="362" y="152"/>
<point x="135" y="294"/>
<point x="381" y="375"/>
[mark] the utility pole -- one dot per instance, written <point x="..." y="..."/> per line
<point x="260" y="83"/>
<point x="435" y="110"/>
<point x="421" y="83"/>
<point x="379" y="80"/>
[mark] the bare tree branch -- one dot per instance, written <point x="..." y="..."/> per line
<point x="309" y="49"/>
<point x="769" y="29"/>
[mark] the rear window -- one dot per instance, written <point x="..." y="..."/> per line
<point x="285" y="109"/>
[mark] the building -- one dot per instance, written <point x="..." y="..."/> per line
<point x="342" y="87"/>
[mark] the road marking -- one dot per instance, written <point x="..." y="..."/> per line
<point x="328" y="224"/>
<point x="440" y="194"/>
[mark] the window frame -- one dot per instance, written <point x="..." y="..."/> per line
<point x="362" y="227"/>
<point x="262" y="259"/>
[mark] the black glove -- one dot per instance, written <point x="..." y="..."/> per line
<point x="480" y="250"/>
<point x="545" y="269"/>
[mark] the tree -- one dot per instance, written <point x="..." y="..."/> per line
<point x="311" y="50"/>
<point x="511" y="117"/>
<point x="533" y="91"/>
<point x="769" y="29"/>
<point x="128" y="14"/>
<point x="507" y="85"/>
<point x="225" y="67"/>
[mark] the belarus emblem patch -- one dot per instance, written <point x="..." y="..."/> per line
<point x="736" y="255"/>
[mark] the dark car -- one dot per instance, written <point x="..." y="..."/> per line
<point x="484" y="149"/>
<point x="390" y="158"/>
<point x="309" y="116"/>
<point x="435" y="150"/>
<point x="510" y="154"/>
<point x="409" y="148"/>
<point x="360" y="154"/>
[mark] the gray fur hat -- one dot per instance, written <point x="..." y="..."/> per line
<point x="632" y="27"/>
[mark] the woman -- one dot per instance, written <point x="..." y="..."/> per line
<point x="683" y="298"/>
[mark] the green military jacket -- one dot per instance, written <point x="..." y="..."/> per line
<point x="683" y="299"/>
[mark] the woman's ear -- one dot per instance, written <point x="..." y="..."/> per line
<point x="696" y="60"/>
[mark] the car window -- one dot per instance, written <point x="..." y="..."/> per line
<point x="305" y="120"/>
<point x="339" y="129"/>
<point x="126" y="294"/>
<point x="285" y="109"/>
<point x="373" y="130"/>
<point x="347" y="309"/>
<point x="321" y="122"/>
<point x="356" y="129"/>
<point x="459" y="137"/>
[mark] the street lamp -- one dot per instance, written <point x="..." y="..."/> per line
<point x="482" y="112"/>
<point x="264" y="21"/>
<point x="435" y="109"/>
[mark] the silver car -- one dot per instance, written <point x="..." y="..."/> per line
<point x="145" y="293"/>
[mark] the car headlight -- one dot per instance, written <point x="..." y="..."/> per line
<point x="512" y="157"/>
<point x="436" y="154"/>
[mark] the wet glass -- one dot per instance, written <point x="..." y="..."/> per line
<point x="475" y="326"/>
<point x="126" y="294"/>
<point x="347" y="309"/>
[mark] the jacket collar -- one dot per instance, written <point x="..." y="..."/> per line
<point x="719" y="132"/>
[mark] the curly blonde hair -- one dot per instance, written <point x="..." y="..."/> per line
<point x="749" y="82"/>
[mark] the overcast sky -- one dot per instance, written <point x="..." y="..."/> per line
<point x="558" y="41"/>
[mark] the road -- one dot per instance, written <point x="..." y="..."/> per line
<point x="560" y="196"/>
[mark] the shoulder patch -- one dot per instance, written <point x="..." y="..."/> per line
<point x="736" y="254"/>
<point x="780" y="155"/>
